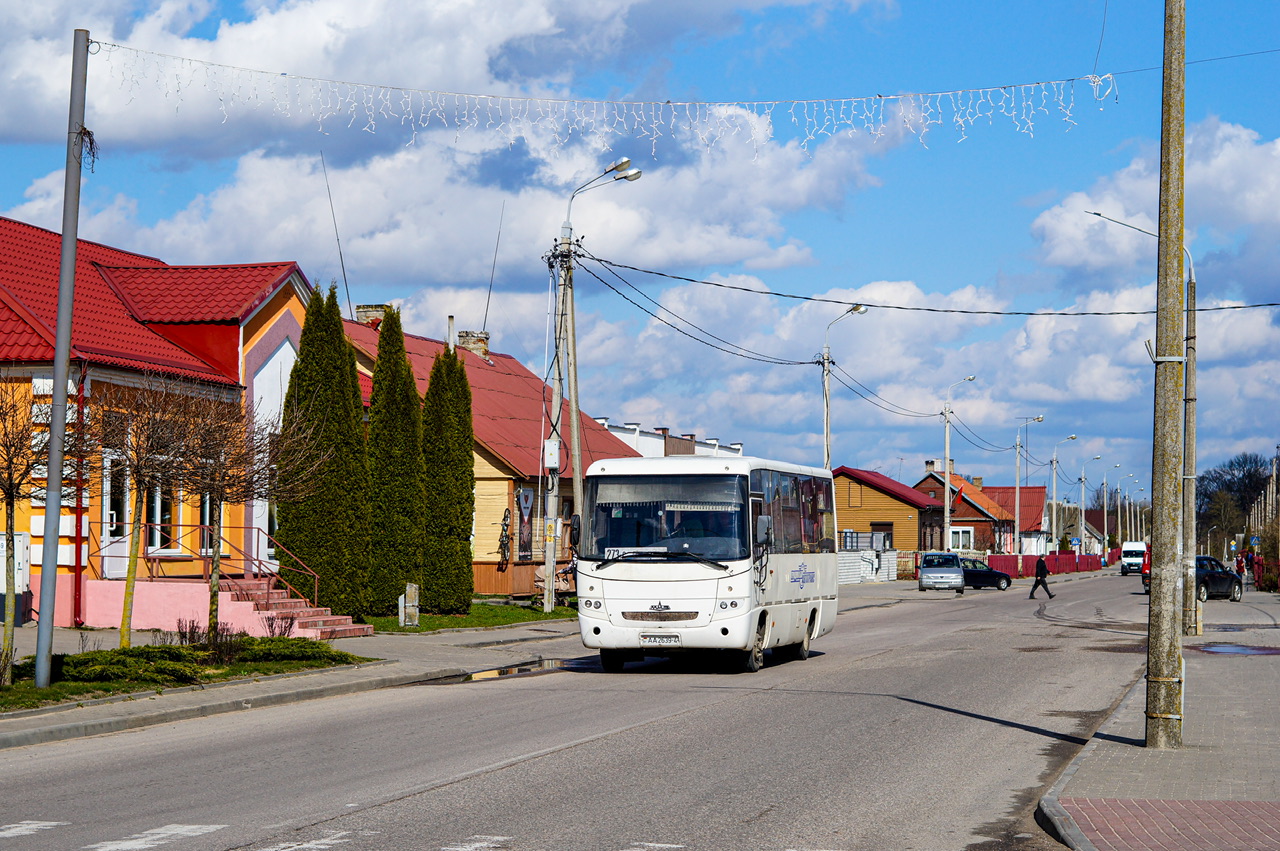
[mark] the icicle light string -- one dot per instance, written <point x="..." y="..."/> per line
<point x="369" y="107"/>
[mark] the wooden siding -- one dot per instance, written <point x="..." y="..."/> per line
<point x="858" y="506"/>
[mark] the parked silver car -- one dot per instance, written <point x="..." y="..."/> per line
<point x="941" y="571"/>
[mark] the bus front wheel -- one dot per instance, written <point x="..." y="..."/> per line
<point x="753" y="659"/>
<point x="612" y="661"/>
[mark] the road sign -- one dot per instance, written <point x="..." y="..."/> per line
<point x="1075" y="542"/>
<point x="1254" y="541"/>
<point x="1233" y="546"/>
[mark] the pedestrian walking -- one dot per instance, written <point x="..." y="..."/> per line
<point x="1042" y="577"/>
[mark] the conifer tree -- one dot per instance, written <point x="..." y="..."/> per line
<point x="329" y="530"/>
<point x="450" y="469"/>
<point x="396" y="470"/>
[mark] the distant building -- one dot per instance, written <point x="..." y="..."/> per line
<point x="660" y="442"/>
<point x="1035" y="528"/>
<point x="977" y="522"/>
<point x="875" y="512"/>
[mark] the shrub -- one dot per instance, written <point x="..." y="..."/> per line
<point x="286" y="649"/>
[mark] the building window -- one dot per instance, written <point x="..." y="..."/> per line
<point x="161" y="521"/>
<point x="961" y="537"/>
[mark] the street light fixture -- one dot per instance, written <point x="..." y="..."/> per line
<point x="1080" y="549"/>
<point x="1017" y="486"/>
<point x="826" y="383"/>
<point x="567" y="341"/>
<point x="946" y="466"/>
<point x="1053" y="464"/>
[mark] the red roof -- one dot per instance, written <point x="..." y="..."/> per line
<point x="507" y="404"/>
<point x="1032" y="498"/>
<point x="119" y="297"/>
<point x="971" y="494"/>
<point x="886" y="485"/>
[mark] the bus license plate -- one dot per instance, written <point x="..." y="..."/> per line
<point x="670" y="640"/>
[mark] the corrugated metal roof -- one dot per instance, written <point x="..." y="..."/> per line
<point x="1032" y="498"/>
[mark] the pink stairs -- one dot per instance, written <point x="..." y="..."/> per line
<point x="308" y="621"/>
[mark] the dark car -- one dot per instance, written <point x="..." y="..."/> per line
<point x="1213" y="579"/>
<point x="978" y="575"/>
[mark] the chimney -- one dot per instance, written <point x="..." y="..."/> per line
<point x="689" y="436"/>
<point x="662" y="430"/>
<point x="370" y="314"/>
<point x="475" y="341"/>
<point x="977" y="482"/>
<point x="929" y="466"/>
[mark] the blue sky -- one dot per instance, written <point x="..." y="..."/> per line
<point x="992" y="218"/>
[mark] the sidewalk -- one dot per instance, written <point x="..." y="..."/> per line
<point x="1220" y="789"/>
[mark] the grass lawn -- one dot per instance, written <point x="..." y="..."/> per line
<point x="481" y="615"/>
<point x="102" y="673"/>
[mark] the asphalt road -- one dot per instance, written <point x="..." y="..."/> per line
<point x="933" y="723"/>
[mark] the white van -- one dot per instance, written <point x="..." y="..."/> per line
<point x="1131" y="555"/>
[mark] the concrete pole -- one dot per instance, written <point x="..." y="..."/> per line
<point x="62" y="358"/>
<point x="946" y="477"/>
<point x="571" y="366"/>
<point x="1053" y="520"/>
<point x="826" y="405"/>
<point x="553" y="469"/>
<point x="1190" y="605"/>
<point x="1165" y="667"/>
<point x="1017" y="499"/>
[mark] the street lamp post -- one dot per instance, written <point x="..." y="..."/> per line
<point x="1053" y="464"/>
<point x="1105" y="541"/>
<point x="1017" y="486"/>
<point x="946" y="466"/>
<point x="1080" y="549"/>
<point x="826" y="384"/>
<point x="566" y="342"/>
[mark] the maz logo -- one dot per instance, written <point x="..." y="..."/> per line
<point x="658" y="607"/>
<point x="803" y="576"/>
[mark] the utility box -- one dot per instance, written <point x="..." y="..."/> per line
<point x="21" y="563"/>
<point x="409" y="605"/>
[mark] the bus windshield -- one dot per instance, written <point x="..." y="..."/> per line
<point x="702" y="515"/>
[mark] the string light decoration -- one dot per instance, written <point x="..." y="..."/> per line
<point x="371" y="107"/>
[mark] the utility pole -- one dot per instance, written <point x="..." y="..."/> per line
<point x="946" y="467"/>
<point x="1190" y="605"/>
<point x="1165" y="665"/>
<point x="77" y="136"/>
<point x="551" y="449"/>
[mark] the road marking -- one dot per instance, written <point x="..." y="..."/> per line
<point x="478" y="843"/>
<point x="153" y="838"/>
<point x="26" y="828"/>
<point x="639" y="846"/>
<point x="314" y="844"/>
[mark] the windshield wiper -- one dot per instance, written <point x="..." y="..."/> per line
<point x="678" y="555"/>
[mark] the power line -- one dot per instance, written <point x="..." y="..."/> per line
<point x="920" y="309"/>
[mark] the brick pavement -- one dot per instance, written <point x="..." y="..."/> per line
<point x="1221" y="790"/>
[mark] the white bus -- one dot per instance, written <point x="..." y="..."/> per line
<point x="705" y="552"/>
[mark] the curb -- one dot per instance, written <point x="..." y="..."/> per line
<point x="1050" y="813"/>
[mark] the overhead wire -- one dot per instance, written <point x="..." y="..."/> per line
<point x="922" y="309"/>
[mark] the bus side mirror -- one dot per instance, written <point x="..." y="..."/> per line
<point x="575" y="530"/>
<point x="764" y="527"/>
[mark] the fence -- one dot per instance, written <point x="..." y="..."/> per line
<point x="1018" y="566"/>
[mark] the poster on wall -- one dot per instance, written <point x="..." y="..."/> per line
<point x="524" y="499"/>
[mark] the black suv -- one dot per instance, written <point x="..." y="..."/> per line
<point x="1212" y="580"/>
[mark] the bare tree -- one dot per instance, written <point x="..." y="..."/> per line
<point x="233" y="456"/>
<point x="145" y="429"/>
<point x="24" y="444"/>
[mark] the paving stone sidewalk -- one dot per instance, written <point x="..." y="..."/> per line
<point x="1220" y="791"/>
